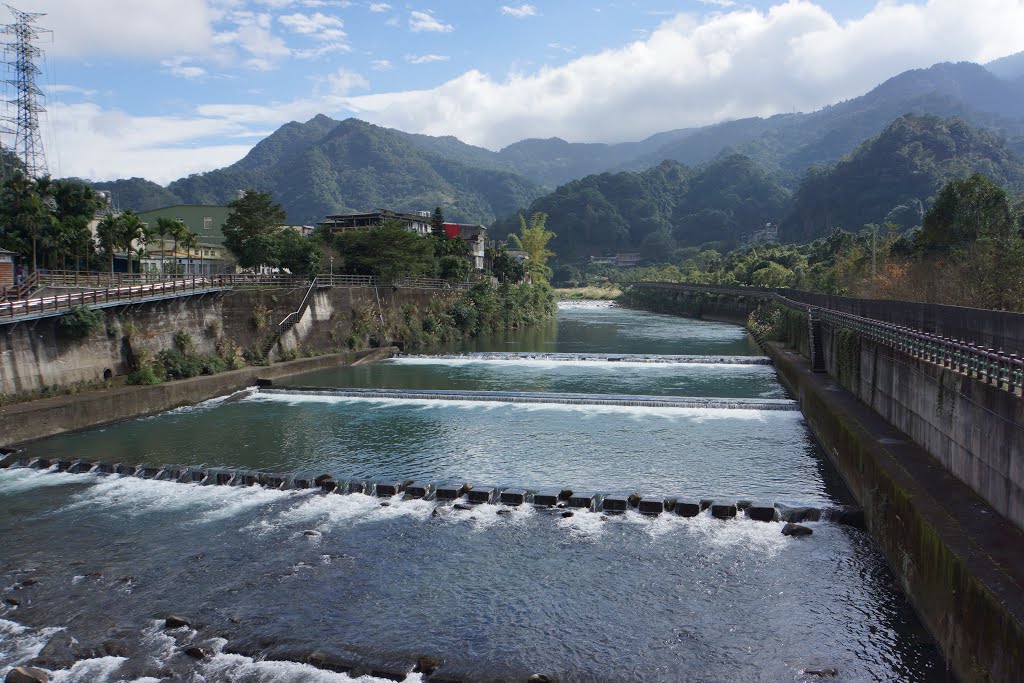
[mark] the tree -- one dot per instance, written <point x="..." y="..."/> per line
<point x="507" y="268"/>
<point x="189" y="240"/>
<point x="254" y="217"/>
<point x="167" y="227"/>
<point x="964" y="211"/>
<point x="772" y="275"/>
<point x="437" y="223"/>
<point x="388" y="251"/>
<point x="26" y="212"/>
<point x="107" y="236"/>
<point x="534" y="241"/>
<point x="129" y="228"/>
<point x="298" y="254"/>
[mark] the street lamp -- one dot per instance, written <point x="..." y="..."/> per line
<point x="331" y="259"/>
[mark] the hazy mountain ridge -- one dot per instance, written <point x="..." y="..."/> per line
<point x="325" y="166"/>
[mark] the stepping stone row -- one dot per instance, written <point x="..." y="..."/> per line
<point x="565" y="498"/>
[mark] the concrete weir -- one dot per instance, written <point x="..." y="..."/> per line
<point x="598" y="358"/>
<point x="442" y="494"/>
<point x="625" y="400"/>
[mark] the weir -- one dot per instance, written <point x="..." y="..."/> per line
<point x="655" y="359"/>
<point x="543" y="398"/>
<point x="444" y="494"/>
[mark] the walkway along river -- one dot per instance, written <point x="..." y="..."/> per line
<point x="298" y="585"/>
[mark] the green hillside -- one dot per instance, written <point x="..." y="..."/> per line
<point x="660" y="209"/>
<point x="900" y="169"/>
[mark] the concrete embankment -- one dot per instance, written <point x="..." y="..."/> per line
<point x="24" y="422"/>
<point x="960" y="563"/>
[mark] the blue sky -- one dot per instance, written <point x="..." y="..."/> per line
<point x="163" y="88"/>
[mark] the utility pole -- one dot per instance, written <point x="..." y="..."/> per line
<point x="23" y="95"/>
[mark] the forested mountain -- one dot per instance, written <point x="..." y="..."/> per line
<point x="894" y="177"/>
<point x="137" y="193"/>
<point x="1009" y="68"/>
<point x="324" y="166"/>
<point x="788" y="144"/>
<point x="658" y="210"/>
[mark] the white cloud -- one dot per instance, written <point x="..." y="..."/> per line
<point x="425" y="21"/>
<point x="425" y="59"/>
<point x="381" y="65"/>
<point x="695" y="71"/>
<point x="179" y="66"/>
<point x="520" y="11"/>
<point x="341" y="82"/>
<point x="154" y="28"/>
<point x="253" y="35"/>
<point x="319" y="26"/>
<point x="62" y="88"/>
<point x="104" y="144"/>
<point x="379" y="7"/>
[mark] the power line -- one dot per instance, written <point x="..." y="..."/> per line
<point x="23" y="95"/>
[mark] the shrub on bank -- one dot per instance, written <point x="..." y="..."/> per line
<point x="80" y="322"/>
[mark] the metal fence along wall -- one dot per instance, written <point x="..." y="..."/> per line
<point x="996" y="330"/>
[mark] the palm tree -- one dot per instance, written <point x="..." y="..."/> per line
<point x="178" y="231"/>
<point x="107" y="235"/>
<point x="189" y="240"/>
<point x="166" y="227"/>
<point x="130" y="228"/>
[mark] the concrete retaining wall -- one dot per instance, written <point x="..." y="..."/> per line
<point x="961" y="565"/>
<point x="974" y="430"/>
<point x="33" y="355"/>
<point x="24" y="422"/>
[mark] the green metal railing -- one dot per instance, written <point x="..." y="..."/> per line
<point x="993" y="367"/>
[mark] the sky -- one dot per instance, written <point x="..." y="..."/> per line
<point x="165" y="88"/>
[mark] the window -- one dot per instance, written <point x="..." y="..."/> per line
<point x="207" y="223"/>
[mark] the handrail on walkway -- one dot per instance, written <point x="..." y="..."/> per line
<point x="101" y="290"/>
<point x="996" y="368"/>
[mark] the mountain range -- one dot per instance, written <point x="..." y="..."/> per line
<point x="325" y="166"/>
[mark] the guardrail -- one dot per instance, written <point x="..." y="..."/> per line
<point x="998" y="369"/>
<point x="99" y="297"/>
<point x="993" y="367"/>
<point x="100" y="294"/>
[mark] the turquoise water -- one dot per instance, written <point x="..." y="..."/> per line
<point x="274" y="580"/>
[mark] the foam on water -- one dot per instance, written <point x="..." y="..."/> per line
<point x="19" y="644"/>
<point x="710" y="364"/>
<point x="325" y="513"/>
<point x="206" y="405"/>
<point x="240" y="669"/>
<point x="570" y="304"/>
<point x="99" y="670"/>
<point x="135" y="496"/>
<point x="486" y="515"/>
<point x="21" y="479"/>
<point x="639" y="412"/>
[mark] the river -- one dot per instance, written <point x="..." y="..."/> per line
<point x="272" y="579"/>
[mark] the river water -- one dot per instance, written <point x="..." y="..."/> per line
<point x="273" y="579"/>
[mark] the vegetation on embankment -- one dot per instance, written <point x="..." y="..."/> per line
<point x="692" y="304"/>
<point x="605" y="293"/>
<point x="483" y="309"/>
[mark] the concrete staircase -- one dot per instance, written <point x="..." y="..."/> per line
<point x="289" y="321"/>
